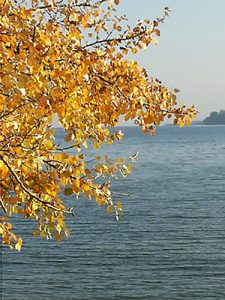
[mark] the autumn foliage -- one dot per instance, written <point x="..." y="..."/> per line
<point x="69" y="59"/>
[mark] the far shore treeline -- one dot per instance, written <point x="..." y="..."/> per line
<point x="214" y="118"/>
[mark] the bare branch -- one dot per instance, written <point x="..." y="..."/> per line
<point x="3" y="205"/>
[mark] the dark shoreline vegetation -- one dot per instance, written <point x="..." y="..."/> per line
<point x="215" y="118"/>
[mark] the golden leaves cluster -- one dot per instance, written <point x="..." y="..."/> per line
<point x="69" y="58"/>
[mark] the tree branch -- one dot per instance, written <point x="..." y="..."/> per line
<point x="30" y="193"/>
<point x="3" y="205"/>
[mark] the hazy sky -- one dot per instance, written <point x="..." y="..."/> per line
<point x="191" y="51"/>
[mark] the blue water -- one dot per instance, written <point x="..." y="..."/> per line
<point x="169" y="244"/>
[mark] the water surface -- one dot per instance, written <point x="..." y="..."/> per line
<point x="170" y="243"/>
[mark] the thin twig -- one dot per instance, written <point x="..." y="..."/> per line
<point x="3" y="205"/>
<point x="30" y="193"/>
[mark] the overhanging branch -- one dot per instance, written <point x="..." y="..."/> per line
<point x="35" y="197"/>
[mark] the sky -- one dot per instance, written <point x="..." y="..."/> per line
<point x="190" y="54"/>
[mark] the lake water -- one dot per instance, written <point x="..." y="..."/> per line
<point x="169" y="244"/>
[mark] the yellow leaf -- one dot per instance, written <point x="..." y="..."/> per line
<point x="58" y="236"/>
<point x="58" y="228"/>
<point x="119" y="205"/>
<point x="68" y="191"/>
<point x="130" y="168"/>
<point x="155" y="41"/>
<point x="60" y="67"/>
<point x="66" y="174"/>
<point x="136" y="90"/>
<point x="109" y="209"/>
<point x="7" y="81"/>
<point x="35" y="206"/>
<point x="86" y="188"/>
<point x="49" y="144"/>
<point x="19" y="244"/>
<point x="134" y="50"/>
<point x="188" y="122"/>
<point x="181" y="123"/>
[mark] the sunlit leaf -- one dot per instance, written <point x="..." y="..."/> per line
<point x="65" y="61"/>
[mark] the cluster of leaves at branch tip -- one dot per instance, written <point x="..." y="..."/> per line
<point x="69" y="59"/>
